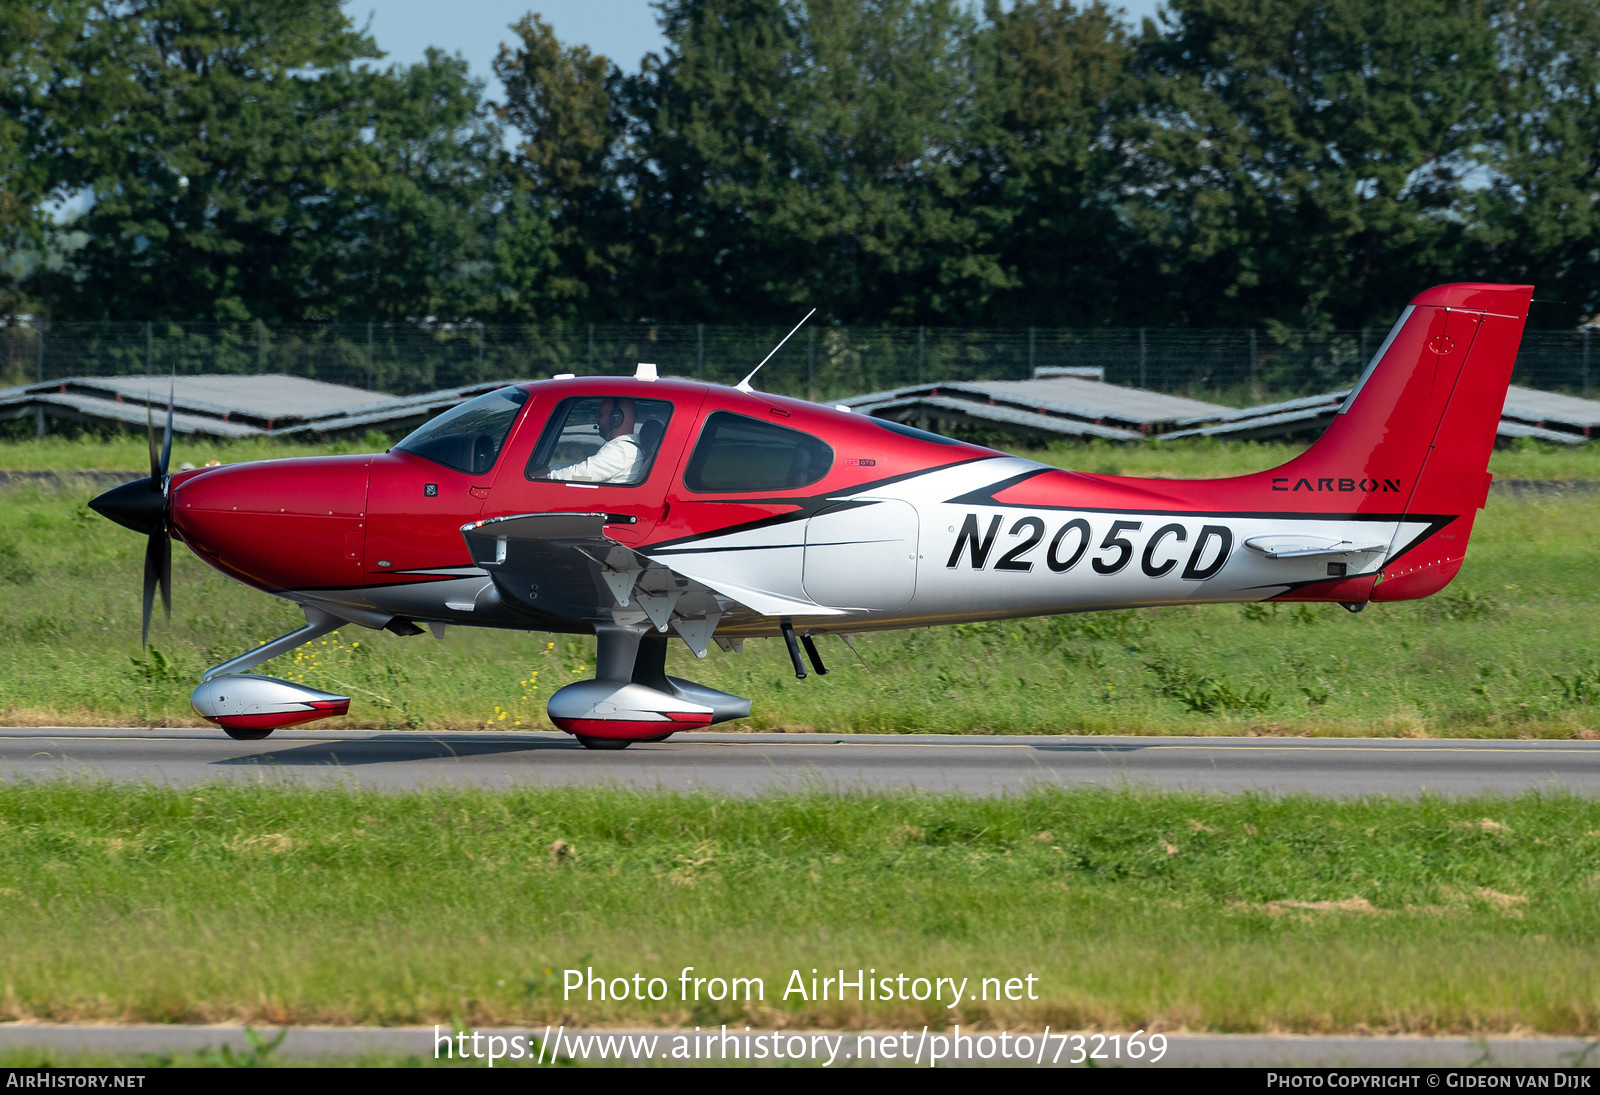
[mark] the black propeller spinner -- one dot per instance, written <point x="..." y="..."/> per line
<point x="142" y="506"/>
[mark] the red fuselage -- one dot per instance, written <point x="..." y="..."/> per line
<point x="778" y="509"/>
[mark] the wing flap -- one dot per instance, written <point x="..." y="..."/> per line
<point x="564" y="565"/>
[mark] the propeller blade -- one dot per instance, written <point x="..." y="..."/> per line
<point x="150" y="435"/>
<point x="166" y="441"/>
<point x="152" y="564"/>
<point x="143" y="507"/>
<point x="164" y="571"/>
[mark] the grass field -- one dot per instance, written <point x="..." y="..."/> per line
<point x="1132" y="910"/>
<point x="273" y="905"/>
<point x="1510" y="649"/>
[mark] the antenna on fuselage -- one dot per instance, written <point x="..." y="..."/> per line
<point x="744" y="385"/>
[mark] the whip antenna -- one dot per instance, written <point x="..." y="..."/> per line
<point x="744" y="385"/>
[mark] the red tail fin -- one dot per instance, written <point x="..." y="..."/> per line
<point x="1421" y="423"/>
<point x="1410" y="446"/>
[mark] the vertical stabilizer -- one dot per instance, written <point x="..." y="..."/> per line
<point x="1420" y="425"/>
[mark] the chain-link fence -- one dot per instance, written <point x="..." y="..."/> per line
<point x="1238" y="367"/>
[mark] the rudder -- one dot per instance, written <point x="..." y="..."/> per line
<point x="1423" y="417"/>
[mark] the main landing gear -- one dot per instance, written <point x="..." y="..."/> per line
<point x="632" y="698"/>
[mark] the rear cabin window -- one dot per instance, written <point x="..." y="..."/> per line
<point x="600" y="439"/>
<point x="738" y="455"/>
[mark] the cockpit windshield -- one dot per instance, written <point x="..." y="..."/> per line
<point x="468" y="438"/>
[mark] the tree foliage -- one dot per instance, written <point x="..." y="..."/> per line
<point x="1311" y="155"/>
<point x="1303" y="163"/>
<point x="564" y="105"/>
<point x="1055" y="95"/>
<point x="236" y="163"/>
<point x="1539" y="219"/>
<point x="234" y="124"/>
<point x="800" y="155"/>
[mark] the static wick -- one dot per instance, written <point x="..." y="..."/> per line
<point x="744" y="385"/>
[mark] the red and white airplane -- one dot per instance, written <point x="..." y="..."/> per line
<point x="720" y="514"/>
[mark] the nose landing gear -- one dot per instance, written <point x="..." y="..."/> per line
<point x="248" y="706"/>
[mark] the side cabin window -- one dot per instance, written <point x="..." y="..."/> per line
<point x="468" y="437"/>
<point x="600" y="439"/>
<point x="738" y="455"/>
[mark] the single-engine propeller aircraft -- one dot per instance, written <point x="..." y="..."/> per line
<point x="641" y="508"/>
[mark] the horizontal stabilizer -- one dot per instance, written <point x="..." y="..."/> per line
<point x="1304" y="547"/>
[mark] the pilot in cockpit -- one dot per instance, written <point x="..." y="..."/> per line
<point x="619" y="458"/>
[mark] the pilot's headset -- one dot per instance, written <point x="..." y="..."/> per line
<point x="616" y="417"/>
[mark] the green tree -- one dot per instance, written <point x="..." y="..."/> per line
<point x="1055" y="95"/>
<point x="1539" y="219"/>
<point x="791" y="153"/>
<point x="410" y="233"/>
<point x="236" y="120"/>
<point x="246" y="166"/>
<point x="1308" y="159"/>
<point x="564" y="103"/>
<point x="55" y="88"/>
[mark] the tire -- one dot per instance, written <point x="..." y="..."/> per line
<point x="246" y="735"/>
<point x="603" y="743"/>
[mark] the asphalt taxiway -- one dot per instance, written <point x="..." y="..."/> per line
<point x="758" y="763"/>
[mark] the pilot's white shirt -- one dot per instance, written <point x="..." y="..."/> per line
<point x="615" y="462"/>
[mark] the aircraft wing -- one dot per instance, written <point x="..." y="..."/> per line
<point x="564" y="565"/>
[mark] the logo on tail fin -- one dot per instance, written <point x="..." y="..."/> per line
<point x="1343" y="485"/>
